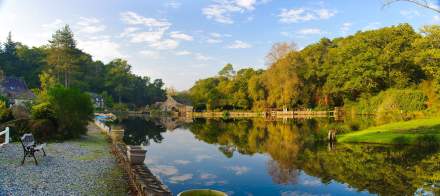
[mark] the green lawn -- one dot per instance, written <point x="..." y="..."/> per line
<point x="405" y="132"/>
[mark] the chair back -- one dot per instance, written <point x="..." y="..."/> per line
<point x="27" y="140"/>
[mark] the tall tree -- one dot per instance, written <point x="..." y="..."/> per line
<point x="63" y="54"/>
<point x="279" y="50"/>
<point x="227" y="71"/>
<point x="10" y="46"/>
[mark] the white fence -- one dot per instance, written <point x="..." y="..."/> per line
<point x="6" y="133"/>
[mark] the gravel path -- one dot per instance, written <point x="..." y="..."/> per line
<point x="80" y="167"/>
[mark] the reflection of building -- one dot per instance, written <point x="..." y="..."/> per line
<point x="175" y="107"/>
<point x="16" y="90"/>
<point x="174" y="123"/>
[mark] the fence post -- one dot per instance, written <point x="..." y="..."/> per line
<point x="7" y="135"/>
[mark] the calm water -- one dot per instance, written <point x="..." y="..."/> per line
<point x="257" y="157"/>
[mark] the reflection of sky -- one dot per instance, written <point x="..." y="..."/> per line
<point x="183" y="162"/>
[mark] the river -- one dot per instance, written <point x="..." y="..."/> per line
<point x="287" y="157"/>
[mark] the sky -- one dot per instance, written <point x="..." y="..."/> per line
<point x="181" y="41"/>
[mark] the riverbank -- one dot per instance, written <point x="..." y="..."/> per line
<point x="420" y="132"/>
<point x="78" y="167"/>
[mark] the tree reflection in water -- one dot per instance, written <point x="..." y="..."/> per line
<point x="295" y="146"/>
<point x="139" y="130"/>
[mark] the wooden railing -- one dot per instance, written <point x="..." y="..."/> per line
<point x="6" y="133"/>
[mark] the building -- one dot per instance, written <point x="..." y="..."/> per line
<point x="173" y="106"/>
<point x="97" y="100"/>
<point x="15" y="90"/>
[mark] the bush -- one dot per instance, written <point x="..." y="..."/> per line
<point x="120" y="107"/>
<point x="66" y="109"/>
<point x="5" y="113"/>
<point x="427" y="141"/>
<point x="401" y="140"/>
<point x="20" y="112"/>
<point x="43" y="130"/>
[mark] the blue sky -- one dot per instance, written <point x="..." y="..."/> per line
<point x="181" y="41"/>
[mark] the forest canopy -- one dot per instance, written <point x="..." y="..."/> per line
<point x="330" y="73"/>
<point x="62" y="62"/>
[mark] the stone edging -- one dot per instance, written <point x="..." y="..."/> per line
<point x="141" y="179"/>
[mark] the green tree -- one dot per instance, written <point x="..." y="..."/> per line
<point x="63" y="55"/>
<point x="227" y="71"/>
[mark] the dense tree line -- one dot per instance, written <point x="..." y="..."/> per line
<point x="61" y="62"/>
<point x="330" y="72"/>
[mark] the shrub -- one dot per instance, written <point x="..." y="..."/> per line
<point x="5" y="113"/>
<point x="43" y="111"/>
<point x="69" y="110"/>
<point x="120" y="107"/>
<point x="427" y="141"/>
<point x="20" y="112"/>
<point x="401" y="140"/>
<point x="43" y="130"/>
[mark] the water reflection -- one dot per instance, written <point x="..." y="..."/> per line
<point x="265" y="157"/>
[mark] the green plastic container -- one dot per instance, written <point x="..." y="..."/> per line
<point x="202" y="192"/>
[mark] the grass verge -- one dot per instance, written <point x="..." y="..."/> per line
<point x="415" y="132"/>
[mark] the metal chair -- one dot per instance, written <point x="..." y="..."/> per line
<point x="30" y="147"/>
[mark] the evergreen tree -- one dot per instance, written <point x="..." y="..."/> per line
<point x="63" y="55"/>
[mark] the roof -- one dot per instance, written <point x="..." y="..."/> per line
<point x="13" y="87"/>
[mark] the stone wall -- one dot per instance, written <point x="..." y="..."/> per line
<point x="141" y="179"/>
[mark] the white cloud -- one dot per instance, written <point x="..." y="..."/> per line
<point x="325" y="13"/>
<point x="222" y="10"/>
<point x="205" y="176"/>
<point x="202" y="157"/>
<point x="146" y="36"/>
<point x="409" y="13"/>
<point x="172" y="4"/>
<point x="183" y="53"/>
<point x="247" y="4"/>
<point x="155" y="28"/>
<point x="213" y="41"/>
<point x="182" y="162"/>
<point x="310" y="31"/>
<point x="239" y="45"/>
<point x="165" y="170"/>
<point x="135" y="19"/>
<point x="371" y="26"/>
<point x="181" y="36"/>
<point x="53" y="26"/>
<point x="238" y="170"/>
<point x="181" y="178"/>
<point x="90" y="25"/>
<point x="101" y="48"/>
<point x="436" y="18"/>
<point x="129" y="30"/>
<point x="167" y="44"/>
<point x="201" y="57"/>
<point x="311" y="183"/>
<point x="302" y="15"/>
<point x="150" y="54"/>
<point x="285" y="33"/>
<point x="346" y="27"/>
<point x="215" y="38"/>
<point x="216" y="35"/>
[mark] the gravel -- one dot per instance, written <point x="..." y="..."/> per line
<point x="70" y="168"/>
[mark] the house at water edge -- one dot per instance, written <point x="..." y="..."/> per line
<point x="175" y="106"/>
<point x="15" y="90"/>
<point x="97" y="100"/>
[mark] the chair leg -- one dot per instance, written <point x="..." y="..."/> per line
<point x="33" y="155"/>
<point x="24" y="157"/>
